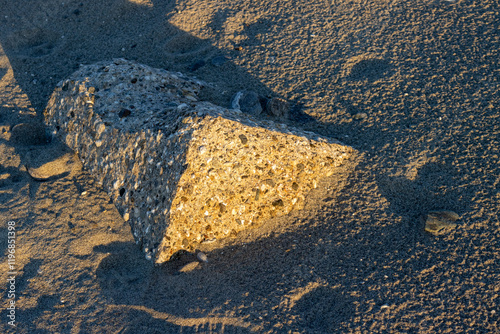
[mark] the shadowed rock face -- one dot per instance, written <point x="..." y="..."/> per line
<point x="180" y="170"/>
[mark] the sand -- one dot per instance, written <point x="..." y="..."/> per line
<point x="413" y="86"/>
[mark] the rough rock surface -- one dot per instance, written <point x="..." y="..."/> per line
<point x="183" y="171"/>
<point x="440" y="222"/>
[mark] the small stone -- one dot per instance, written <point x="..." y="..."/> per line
<point x="277" y="107"/>
<point x="185" y="243"/>
<point x="257" y="194"/>
<point x="248" y="102"/>
<point x="202" y="257"/>
<point x="29" y="134"/>
<point x="278" y="203"/>
<point x="222" y="207"/>
<point x="189" y="267"/>
<point x="439" y="222"/>
<point x="243" y="139"/>
<point x="191" y="98"/>
<point x="360" y="115"/>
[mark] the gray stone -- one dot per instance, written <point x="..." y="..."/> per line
<point x="278" y="108"/>
<point x="248" y="102"/>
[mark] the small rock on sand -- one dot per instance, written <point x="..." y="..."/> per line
<point x="202" y="257"/>
<point x="248" y="102"/>
<point x="439" y="222"/>
<point x="189" y="267"/>
<point x="277" y="107"/>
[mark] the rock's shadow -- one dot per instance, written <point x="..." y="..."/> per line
<point x="432" y="189"/>
<point x="369" y="69"/>
<point x="124" y="274"/>
<point x="323" y="308"/>
<point x="3" y="71"/>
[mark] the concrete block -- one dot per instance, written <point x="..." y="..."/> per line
<point x="183" y="171"/>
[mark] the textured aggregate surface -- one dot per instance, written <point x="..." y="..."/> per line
<point x="183" y="171"/>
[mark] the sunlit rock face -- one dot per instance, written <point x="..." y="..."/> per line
<point x="183" y="171"/>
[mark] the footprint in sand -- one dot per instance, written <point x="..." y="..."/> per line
<point x="3" y="72"/>
<point x="123" y="276"/>
<point x="33" y="43"/>
<point x="366" y="67"/>
<point x="182" y="45"/>
<point x="322" y="308"/>
<point x="29" y="134"/>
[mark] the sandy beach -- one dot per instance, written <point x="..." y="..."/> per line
<point x="413" y="87"/>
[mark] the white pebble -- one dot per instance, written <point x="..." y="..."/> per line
<point x="202" y="257"/>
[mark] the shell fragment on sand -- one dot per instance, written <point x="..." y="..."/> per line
<point x="183" y="171"/>
<point x="52" y="170"/>
<point x="438" y="222"/>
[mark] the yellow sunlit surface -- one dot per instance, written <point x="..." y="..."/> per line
<point x="146" y="3"/>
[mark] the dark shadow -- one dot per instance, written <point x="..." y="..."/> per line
<point x="45" y="303"/>
<point x="432" y="189"/>
<point x="298" y="117"/>
<point x="323" y="309"/>
<point x="125" y="320"/>
<point x="349" y="107"/>
<point x="28" y="272"/>
<point x="4" y="242"/>
<point x="11" y="181"/>
<point x="129" y="322"/>
<point x="3" y="71"/>
<point x="369" y="69"/>
<point x="124" y="274"/>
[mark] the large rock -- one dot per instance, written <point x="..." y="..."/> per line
<point x="183" y="171"/>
